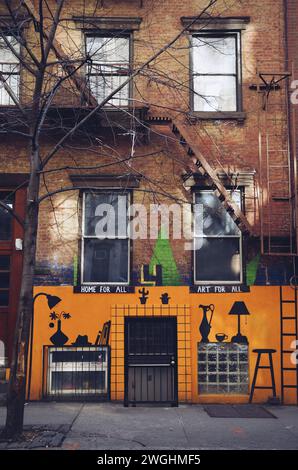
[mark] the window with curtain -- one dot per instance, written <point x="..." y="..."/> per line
<point x="109" y="67"/>
<point x="9" y="69"/>
<point x="217" y="241"/>
<point x="105" y="254"/>
<point x="215" y="72"/>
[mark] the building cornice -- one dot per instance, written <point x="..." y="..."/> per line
<point x="232" y="23"/>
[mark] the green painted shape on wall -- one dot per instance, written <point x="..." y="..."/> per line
<point x="75" y="270"/>
<point x="251" y="270"/>
<point x="163" y="254"/>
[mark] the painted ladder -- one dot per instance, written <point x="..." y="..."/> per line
<point x="288" y="330"/>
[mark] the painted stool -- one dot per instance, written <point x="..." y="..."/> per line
<point x="259" y="352"/>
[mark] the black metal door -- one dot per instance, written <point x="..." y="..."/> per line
<point x="151" y="360"/>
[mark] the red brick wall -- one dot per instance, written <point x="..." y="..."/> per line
<point x="228" y="145"/>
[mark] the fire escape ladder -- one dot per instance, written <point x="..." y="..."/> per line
<point x="197" y="163"/>
<point x="276" y="168"/>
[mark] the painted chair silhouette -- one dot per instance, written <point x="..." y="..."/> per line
<point x="272" y="387"/>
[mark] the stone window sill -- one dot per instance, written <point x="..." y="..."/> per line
<point x="229" y="115"/>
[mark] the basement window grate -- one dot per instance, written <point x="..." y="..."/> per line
<point x="77" y="372"/>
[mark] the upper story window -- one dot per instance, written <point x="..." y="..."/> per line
<point x="217" y="241"/>
<point x="109" y="67"/>
<point x="105" y="241"/>
<point x="9" y="69"/>
<point x="216" y="75"/>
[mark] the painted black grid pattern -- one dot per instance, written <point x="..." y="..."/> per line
<point x="223" y="368"/>
<point x="182" y="312"/>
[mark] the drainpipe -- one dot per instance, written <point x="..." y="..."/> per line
<point x="291" y="136"/>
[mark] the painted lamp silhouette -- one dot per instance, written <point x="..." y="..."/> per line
<point x="205" y="325"/>
<point x="239" y="308"/>
<point x="59" y="338"/>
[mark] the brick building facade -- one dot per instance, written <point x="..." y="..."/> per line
<point x="206" y="122"/>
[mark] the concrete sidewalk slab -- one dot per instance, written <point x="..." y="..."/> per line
<point x="105" y="426"/>
<point x="49" y="414"/>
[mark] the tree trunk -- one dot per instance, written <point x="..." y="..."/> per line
<point x="17" y="382"/>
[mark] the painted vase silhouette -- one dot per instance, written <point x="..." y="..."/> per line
<point x="59" y="338"/>
<point x="205" y="325"/>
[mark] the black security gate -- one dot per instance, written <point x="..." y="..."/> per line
<point x="151" y="360"/>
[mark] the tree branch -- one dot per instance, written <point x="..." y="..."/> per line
<point x="120" y="87"/>
<point x="16" y="54"/>
<point x="95" y="188"/>
<point x="79" y="82"/>
<point x="20" y="36"/>
<point x="11" y="94"/>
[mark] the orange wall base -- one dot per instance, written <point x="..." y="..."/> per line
<point x="90" y="311"/>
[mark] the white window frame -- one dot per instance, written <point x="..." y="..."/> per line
<point x="219" y="282"/>
<point x="238" y="69"/>
<point x="15" y="70"/>
<point x="84" y="237"/>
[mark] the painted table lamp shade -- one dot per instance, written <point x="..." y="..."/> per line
<point x="239" y="308"/>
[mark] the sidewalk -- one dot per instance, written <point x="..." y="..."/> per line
<point x="111" y="426"/>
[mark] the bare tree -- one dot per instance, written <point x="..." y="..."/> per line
<point x="29" y="30"/>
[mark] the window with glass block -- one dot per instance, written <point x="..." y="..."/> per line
<point x="223" y="368"/>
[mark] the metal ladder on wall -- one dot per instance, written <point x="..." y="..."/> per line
<point x="288" y="330"/>
<point x="197" y="163"/>
<point x="278" y="179"/>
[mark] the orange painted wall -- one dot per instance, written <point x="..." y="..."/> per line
<point x="90" y="311"/>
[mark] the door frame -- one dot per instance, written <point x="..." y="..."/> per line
<point x="8" y="248"/>
<point x="173" y="320"/>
